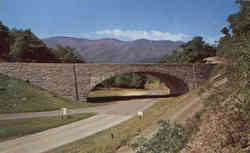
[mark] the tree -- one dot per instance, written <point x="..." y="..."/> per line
<point x="225" y="31"/>
<point x="240" y="22"/>
<point x="137" y="81"/>
<point x="4" y="41"/>
<point x="193" y="51"/>
<point x="68" y="54"/>
<point x="235" y="46"/>
<point x="123" y="81"/>
<point x="26" y="47"/>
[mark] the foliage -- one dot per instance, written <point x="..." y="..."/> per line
<point x="236" y="49"/>
<point x="233" y="100"/>
<point x="4" y="41"/>
<point x="67" y="54"/>
<point x="229" y="105"/>
<point x="240" y="22"/>
<point x="132" y="80"/>
<point x="169" y="138"/>
<point x="24" y="46"/>
<point x="193" y="51"/>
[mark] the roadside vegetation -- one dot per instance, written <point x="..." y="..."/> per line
<point x="224" y="125"/>
<point x="102" y="142"/>
<point x="169" y="138"/>
<point x="125" y="133"/>
<point x="21" y="127"/>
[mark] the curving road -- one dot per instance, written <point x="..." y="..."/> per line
<point x="107" y="116"/>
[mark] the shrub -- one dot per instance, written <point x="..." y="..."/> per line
<point x="169" y="138"/>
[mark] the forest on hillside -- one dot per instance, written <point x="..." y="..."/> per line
<point x="18" y="45"/>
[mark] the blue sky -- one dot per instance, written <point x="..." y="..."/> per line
<point x="121" y="19"/>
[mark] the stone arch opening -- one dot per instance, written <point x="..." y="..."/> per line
<point x="176" y="86"/>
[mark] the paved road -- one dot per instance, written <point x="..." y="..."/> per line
<point x="101" y="109"/>
<point x="123" y="107"/>
<point x="107" y="117"/>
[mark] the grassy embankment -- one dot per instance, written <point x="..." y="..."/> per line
<point x="20" y="127"/>
<point x="17" y="96"/>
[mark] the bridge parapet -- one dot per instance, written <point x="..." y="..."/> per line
<point x="77" y="80"/>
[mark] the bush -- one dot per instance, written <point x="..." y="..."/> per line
<point x="169" y="138"/>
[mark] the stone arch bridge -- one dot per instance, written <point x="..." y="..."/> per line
<point x="77" y="80"/>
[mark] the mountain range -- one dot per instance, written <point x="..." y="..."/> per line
<point x="116" y="51"/>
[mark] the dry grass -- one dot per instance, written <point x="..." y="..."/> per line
<point x="117" y="92"/>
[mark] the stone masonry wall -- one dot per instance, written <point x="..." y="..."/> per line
<point x="77" y="80"/>
<point x="56" y="78"/>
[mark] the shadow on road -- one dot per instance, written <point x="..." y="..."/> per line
<point x="121" y="98"/>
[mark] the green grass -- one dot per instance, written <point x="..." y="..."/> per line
<point x="17" y="96"/>
<point x="21" y="127"/>
<point x="123" y="133"/>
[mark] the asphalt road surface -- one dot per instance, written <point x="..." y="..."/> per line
<point x="107" y="116"/>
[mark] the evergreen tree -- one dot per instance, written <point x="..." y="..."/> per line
<point x="4" y="41"/>
<point x="26" y="47"/>
<point x="193" y="51"/>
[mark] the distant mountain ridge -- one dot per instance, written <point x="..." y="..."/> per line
<point x="117" y="51"/>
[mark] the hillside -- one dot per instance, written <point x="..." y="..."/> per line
<point x="116" y="51"/>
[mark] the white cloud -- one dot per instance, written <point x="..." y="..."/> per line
<point x="140" y="34"/>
